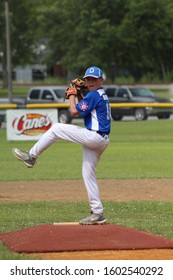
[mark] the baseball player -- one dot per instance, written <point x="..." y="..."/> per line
<point x="94" y="107"/>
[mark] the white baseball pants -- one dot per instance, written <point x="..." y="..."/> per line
<point x="93" y="146"/>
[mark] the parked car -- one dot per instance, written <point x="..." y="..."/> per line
<point x="125" y="94"/>
<point x="50" y="94"/>
<point x="42" y="95"/>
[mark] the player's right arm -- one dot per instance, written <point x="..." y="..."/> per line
<point x="73" y="110"/>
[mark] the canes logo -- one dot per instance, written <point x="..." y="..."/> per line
<point x="31" y="124"/>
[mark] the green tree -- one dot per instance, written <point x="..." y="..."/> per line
<point x="83" y="32"/>
<point x="24" y="27"/>
<point x="135" y="35"/>
<point x="146" y="37"/>
<point x="2" y="38"/>
<point x="23" y="31"/>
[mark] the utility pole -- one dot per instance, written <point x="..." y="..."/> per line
<point x="8" y="51"/>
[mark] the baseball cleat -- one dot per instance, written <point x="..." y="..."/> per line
<point x="93" y="219"/>
<point x="24" y="156"/>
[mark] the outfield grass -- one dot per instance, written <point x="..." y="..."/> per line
<point x="137" y="150"/>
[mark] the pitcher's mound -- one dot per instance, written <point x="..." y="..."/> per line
<point x="74" y="237"/>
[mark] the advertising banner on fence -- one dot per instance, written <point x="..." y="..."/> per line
<point x="29" y="124"/>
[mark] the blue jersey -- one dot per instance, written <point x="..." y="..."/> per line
<point x="95" y="108"/>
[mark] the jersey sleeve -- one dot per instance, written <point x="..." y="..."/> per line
<point x="87" y="104"/>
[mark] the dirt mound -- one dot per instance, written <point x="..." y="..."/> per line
<point x="110" y="190"/>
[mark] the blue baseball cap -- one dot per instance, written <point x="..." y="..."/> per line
<point x="94" y="72"/>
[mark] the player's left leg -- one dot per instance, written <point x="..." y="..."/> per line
<point x="66" y="132"/>
<point x="57" y="131"/>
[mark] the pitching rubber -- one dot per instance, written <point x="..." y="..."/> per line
<point x="66" y="224"/>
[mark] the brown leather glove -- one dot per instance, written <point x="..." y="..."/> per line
<point x="70" y="91"/>
<point x="77" y="87"/>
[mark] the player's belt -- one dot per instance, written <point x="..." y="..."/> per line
<point x="103" y="134"/>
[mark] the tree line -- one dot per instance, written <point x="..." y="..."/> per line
<point x="123" y="37"/>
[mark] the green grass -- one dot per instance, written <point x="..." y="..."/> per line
<point x="147" y="146"/>
<point x="17" y="91"/>
<point x="22" y="89"/>
<point x="137" y="150"/>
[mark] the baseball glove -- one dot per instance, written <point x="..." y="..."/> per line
<point x="77" y="87"/>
